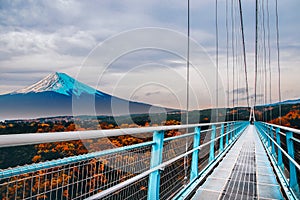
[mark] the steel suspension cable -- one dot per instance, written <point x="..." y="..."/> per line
<point x="233" y="58"/>
<point x="244" y="52"/>
<point x="256" y="52"/>
<point x="260" y="58"/>
<point x="237" y="57"/>
<point x="188" y="62"/>
<point x="187" y="88"/>
<point x="264" y="57"/>
<point x="227" y="53"/>
<point x="269" y="58"/>
<point x="238" y="60"/>
<point x="217" y="61"/>
<point x="278" y="58"/>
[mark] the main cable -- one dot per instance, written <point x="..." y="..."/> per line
<point x="188" y="62"/>
<point x="244" y="52"/>
<point x="237" y="58"/>
<point x="269" y="57"/>
<point x="256" y="49"/>
<point x="233" y="58"/>
<point x="264" y="58"/>
<point x="227" y="54"/>
<point x="278" y="60"/>
<point x="187" y="88"/>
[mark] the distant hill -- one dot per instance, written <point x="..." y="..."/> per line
<point x="292" y="101"/>
<point x="59" y="95"/>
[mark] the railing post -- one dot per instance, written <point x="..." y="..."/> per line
<point x="279" y="153"/>
<point x="240" y="129"/>
<point x="293" y="175"/>
<point x="194" y="165"/>
<point x="156" y="159"/>
<point x="236" y="124"/>
<point x="221" y="139"/>
<point x="227" y="131"/>
<point x="272" y="136"/>
<point x="263" y="133"/>
<point x="212" y="144"/>
<point x="231" y="132"/>
<point x="269" y="133"/>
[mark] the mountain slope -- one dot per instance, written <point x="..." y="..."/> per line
<point x="291" y="101"/>
<point x="60" y="83"/>
<point x="59" y="94"/>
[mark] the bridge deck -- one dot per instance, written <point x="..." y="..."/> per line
<point x="244" y="173"/>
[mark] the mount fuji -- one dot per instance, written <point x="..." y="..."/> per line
<point x="61" y="95"/>
<point x="60" y="83"/>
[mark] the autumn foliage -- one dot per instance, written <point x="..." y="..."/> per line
<point x="291" y="119"/>
<point x="101" y="173"/>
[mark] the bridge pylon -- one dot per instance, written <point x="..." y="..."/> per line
<point x="252" y="116"/>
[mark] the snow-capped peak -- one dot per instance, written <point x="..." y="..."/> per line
<point x="60" y="83"/>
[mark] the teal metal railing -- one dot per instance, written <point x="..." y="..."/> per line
<point x="283" y="147"/>
<point x="161" y="168"/>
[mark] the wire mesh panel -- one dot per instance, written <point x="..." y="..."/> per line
<point x="203" y="155"/>
<point x="297" y="148"/>
<point x="177" y="147"/>
<point x="174" y="177"/>
<point x="77" y="180"/>
<point x="285" y="160"/>
<point x="136" y="191"/>
<point x="224" y="136"/>
<point x="297" y="158"/>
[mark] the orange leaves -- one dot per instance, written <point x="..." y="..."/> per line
<point x="147" y="124"/>
<point x="99" y="178"/>
<point x="233" y="112"/>
<point x="289" y="119"/>
<point x="143" y="188"/>
<point x="66" y="193"/>
<point x="36" y="158"/>
<point x="205" y="119"/>
<point x="63" y="148"/>
<point x="42" y="197"/>
<point x="172" y="122"/>
<point x="293" y="114"/>
<point x="101" y="167"/>
<point x="44" y="125"/>
<point x="71" y="127"/>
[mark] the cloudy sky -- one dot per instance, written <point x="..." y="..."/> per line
<point x="42" y="37"/>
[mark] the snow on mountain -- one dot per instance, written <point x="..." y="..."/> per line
<point x="60" y="83"/>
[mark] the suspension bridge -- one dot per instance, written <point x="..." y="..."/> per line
<point x="224" y="160"/>
<point x="220" y="160"/>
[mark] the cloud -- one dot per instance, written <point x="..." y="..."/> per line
<point x="152" y="93"/>
<point x="39" y="37"/>
<point x="238" y="91"/>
